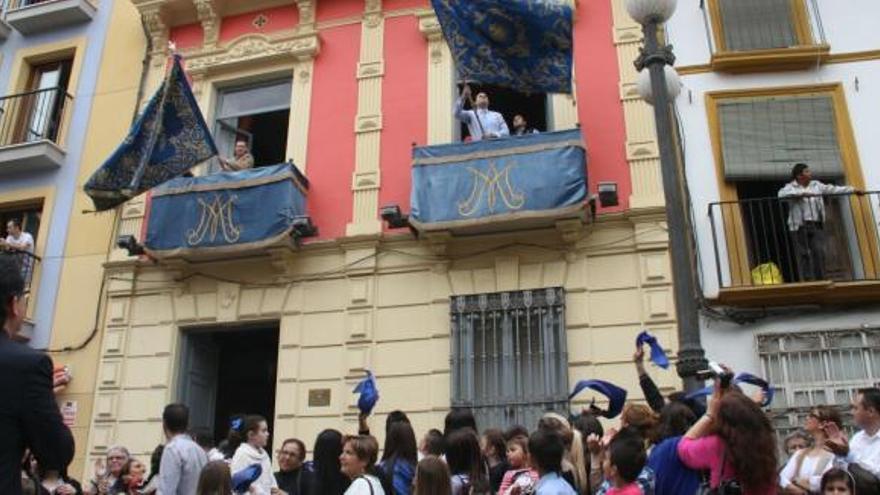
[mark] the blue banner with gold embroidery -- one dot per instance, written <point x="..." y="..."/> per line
<point x="225" y="213"/>
<point x="167" y="139"/>
<point x="525" y="45"/>
<point x="535" y="177"/>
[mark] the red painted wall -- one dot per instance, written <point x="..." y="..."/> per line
<point x="339" y="9"/>
<point x="600" y="111"/>
<point x="404" y="106"/>
<point x="331" y="151"/>
<point x="189" y="36"/>
<point x="404" y="4"/>
<point x="279" y="18"/>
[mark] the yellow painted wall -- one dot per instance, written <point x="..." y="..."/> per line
<point x="89" y="236"/>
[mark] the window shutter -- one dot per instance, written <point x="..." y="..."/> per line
<point x="757" y="24"/>
<point x="762" y="138"/>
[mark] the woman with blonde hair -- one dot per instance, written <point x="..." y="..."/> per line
<point x="574" y="461"/>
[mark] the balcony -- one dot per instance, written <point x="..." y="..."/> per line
<point x="769" y="35"/>
<point x="515" y="183"/>
<point x="31" y="129"/>
<point x="38" y="16"/>
<point x="228" y="214"/>
<point x="805" y="250"/>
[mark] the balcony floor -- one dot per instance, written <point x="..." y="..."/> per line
<point x="826" y="292"/>
<point x="36" y="155"/>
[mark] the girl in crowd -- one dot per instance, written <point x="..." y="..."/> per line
<point x="466" y="463"/>
<point x="252" y="450"/>
<point x="838" y="482"/>
<point x="734" y="440"/>
<point x="521" y="473"/>
<point x="494" y="451"/>
<point x="642" y="419"/>
<point x="574" y="460"/>
<point x="671" y="477"/>
<point x="133" y="475"/>
<point x="399" y="457"/>
<point x="587" y="425"/>
<point x="328" y="479"/>
<point x="357" y="458"/>
<point x="432" y="477"/>
<point x="108" y="477"/>
<point x="215" y="479"/>
<point x="803" y="472"/>
<point x="432" y="444"/>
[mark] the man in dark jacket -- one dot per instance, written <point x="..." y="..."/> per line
<point x="29" y="415"/>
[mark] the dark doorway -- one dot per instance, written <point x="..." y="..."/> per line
<point x="229" y="372"/>
<point x="508" y="103"/>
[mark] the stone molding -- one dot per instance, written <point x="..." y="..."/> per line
<point x="252" y="49"/>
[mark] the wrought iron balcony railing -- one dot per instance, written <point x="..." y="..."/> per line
<point x="34" y="116"/>
<point x="772" y="241"/>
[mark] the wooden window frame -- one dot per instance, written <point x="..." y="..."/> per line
<point x="807" y="52"/>
<point x="741" y="290"/>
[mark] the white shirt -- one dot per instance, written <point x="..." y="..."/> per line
<point x="24" y="242"/>
<point x="363" y="484"/>
<point x="810" y="207"/>
<point x="247" y="455"/>
<point x="492" y="122"/>
<point x="864" y="450"/>
<point x="813" y="466"/>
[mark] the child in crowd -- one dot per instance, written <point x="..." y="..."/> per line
<point x="625" y="460"/>
<point x="520" y="473"/>
<point x="838" y="482"/>
<point x="546" y="449"/>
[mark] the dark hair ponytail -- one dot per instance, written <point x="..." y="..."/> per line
<point x="235" y="437"/>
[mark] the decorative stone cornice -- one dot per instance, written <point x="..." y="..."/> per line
<point x="429" y="25"/>
<point x="252" y="49"/>
<point x="156" y="27"/>
<point x="210" y="20"/>
<point x="306" y="12"/>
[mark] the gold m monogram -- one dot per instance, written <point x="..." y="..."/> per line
<point x="493" y="184"/>
<point x="216" y="216"/>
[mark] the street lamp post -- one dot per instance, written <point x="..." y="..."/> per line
<point x="655" y="58"/>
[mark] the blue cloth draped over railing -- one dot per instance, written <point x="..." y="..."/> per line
<point x="521" y="44"/>
<point x="167" y="139"/>
<point x="225" y="213"/>
<point x="535" y="177"/>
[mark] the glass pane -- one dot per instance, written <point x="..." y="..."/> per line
<point x="805" y="367"/>
<point x="774" y="368"/>
<point x="847" y="364"/>
<point x="255" y="99"/>
<point x="768" y="344"/>
<point x="757" y="24"/>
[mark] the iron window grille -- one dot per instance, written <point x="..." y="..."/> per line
<point x="509" y="357"/>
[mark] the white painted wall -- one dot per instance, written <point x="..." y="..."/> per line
<point x="848" y="25"/>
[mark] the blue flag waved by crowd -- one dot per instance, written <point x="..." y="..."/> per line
<point x="168" y="138"/>
<point x="525" y="45"/>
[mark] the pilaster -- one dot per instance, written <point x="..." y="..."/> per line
<point x="440" y="80"/>
<point x="368" y="124"/>
<point x="301" y="96"/>
<point x="210" y="21"/>
<point x="642" y="152"/>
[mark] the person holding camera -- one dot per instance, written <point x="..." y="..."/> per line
<point x="734" y="441"/>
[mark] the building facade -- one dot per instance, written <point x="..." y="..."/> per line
<point x="344" y="89"/>
<point x="765" y="88"/>
<point x="63" y="88"/>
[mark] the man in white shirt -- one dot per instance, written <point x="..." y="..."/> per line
<point x="182" y="458"/>
<point x="863" y="450"/>
<point x="806" y="219"/>
<point x="482" y="122"/>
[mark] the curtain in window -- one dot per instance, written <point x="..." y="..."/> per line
<point x="762" y="138"/>
<point x="757" y="24"/>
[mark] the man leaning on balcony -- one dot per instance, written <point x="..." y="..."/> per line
<point x="806" y="219"/>
<point x="482" y="123"/>
<point x="243" y="159"/>
<point x="21" y="244"/>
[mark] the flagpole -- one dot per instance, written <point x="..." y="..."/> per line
<point x="154" y="136"/>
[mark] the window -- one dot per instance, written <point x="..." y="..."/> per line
<point x="29" y="217"/>
<point x="758" y="24"/>
<point x="812" y="368"/>
<point x="509" y="358"/>
<point x="507" y="102"/>
<point x="758" y="137"/>
<point x="258" y="114"/>
<point x="38" y="112"/>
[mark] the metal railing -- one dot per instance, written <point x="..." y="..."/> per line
<point x="771" y="241"/>
<point x="34" y="116"/>
<point x="27" y="263"/>
<point x="18" y="4"/>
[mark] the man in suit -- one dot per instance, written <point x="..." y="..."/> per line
<point x="29" y="415"/>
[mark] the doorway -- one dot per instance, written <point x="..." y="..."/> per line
<point x="228" y="372"/>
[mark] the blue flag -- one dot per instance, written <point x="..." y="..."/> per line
<point x="616" y="395"/>
<point x="167" y="139"/>
<point x="658" y="355"/>
<point x="242" y="480"/>
<point x="740" y="378"/>
<point x="525" y="45"/>
<point x="369" y="393"/>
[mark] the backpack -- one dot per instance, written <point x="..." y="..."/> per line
<point x="726" y="487"/>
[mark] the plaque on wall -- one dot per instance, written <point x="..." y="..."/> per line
<point x="319" y="397"/>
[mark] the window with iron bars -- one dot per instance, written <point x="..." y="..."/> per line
<point x="509" y="358"/>
<point x="815" y="368"/>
